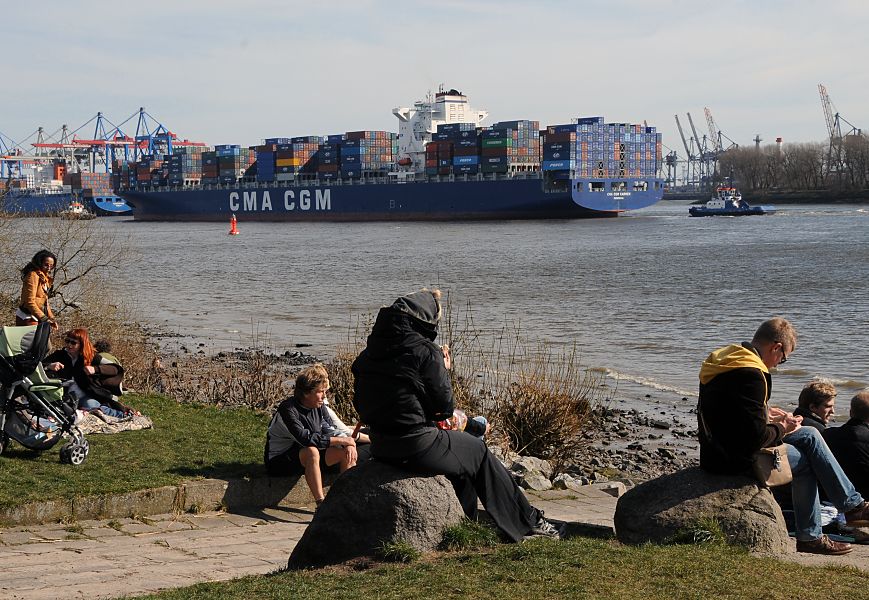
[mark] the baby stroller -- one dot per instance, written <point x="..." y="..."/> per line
<point x="35" y="411"/>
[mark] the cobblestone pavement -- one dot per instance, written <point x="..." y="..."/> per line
<point x="130" y="557"/>
<point x="108" y="559"/>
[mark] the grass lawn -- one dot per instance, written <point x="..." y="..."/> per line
<point x="544" y="569"/>
<point x="188" y="441"/>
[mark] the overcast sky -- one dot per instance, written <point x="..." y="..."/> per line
<point x="237" y="72"/>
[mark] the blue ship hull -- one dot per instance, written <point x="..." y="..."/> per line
<point x="36" y="204"/>
<point x="433" y="200"/>
<point x="108" y="206"/>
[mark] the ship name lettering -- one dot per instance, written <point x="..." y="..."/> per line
<point x="322" y="200"/>
<point x="248" y="202"/>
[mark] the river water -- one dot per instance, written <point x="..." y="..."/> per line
<point x="645" y="297"/>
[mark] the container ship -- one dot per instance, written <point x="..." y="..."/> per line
<point x="443" y="164"/>
<point x="41" y="196"/>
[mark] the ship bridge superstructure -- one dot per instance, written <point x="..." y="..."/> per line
<point x="418" y="123"/>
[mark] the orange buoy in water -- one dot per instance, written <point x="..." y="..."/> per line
<point x="233" y="226"/>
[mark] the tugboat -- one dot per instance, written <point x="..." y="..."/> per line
<point x="728" y="202"/>
<point x="76" y="210"/>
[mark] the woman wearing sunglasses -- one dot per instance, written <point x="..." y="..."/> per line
<point x="37" y="277"/>
<point x="79" y="361"/>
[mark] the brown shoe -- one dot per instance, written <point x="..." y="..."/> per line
<point x="823" y="545"/>
<point x="858" y="517"/>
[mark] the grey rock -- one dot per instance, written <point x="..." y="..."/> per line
<point x="566" y="482"/>
<point x="372" y="504"/>
<point x="525" y="464"/>
<point x="666" y="453"/>
<point x="657" y="510"/>
<point x="535" y="480"/>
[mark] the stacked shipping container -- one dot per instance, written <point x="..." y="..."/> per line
<point x="591" y="148"/>
<point x="366" y="152"/>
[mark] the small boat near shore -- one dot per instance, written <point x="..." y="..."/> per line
<point x="728" y="202"/>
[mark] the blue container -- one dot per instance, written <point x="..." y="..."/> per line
<point x="467" y="143"/>
<point x="335" y="139"/>
<point x="349" y="159"/>
<point x="466" y="160"/>
<point x="562" y="128"/>
<point x="559" y="154"/>
<point x="493" y="160"/>
<point x="350" y="151"/>
<point x="441" y="136"/>
<point x="492" y="134"/>
<point x="467" y="169"/>
<point x="557" y="165"/>
<point x="351" y="144"/>
<point x="353" y="173"/>
<point x="277" y="140"/>
<point x="328" y="175"/>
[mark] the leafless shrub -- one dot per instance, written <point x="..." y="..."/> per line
<point x="255" y="378"/>
<point x="538" y="396"/>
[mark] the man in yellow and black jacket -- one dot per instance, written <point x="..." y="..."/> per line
<point x="735" y="386"/>
<point x="735" y="421"/>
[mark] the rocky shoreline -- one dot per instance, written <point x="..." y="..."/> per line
<point x="625" y="441"/>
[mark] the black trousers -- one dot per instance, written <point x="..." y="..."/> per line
<point x="475" y="473"/>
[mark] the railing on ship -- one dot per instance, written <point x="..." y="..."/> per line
<point x="344" y="182"/>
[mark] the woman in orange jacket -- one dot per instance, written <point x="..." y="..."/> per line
<point x="37" y="277"/>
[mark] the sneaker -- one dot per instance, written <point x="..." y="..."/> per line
<point x="858" y="517"/>
<point x="823" y="545"/>
<point x="544" y="528"/>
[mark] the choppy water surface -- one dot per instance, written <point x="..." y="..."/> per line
<point x="645" y="296"/>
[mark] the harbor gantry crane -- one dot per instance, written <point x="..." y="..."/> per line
<point x="716" y="136"/>
<point x="835" y="153"/>
<point x="690" y="176"/>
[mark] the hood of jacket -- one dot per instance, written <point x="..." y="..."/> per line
<point x="735" y="356"/>
<point x="410" y="320"/>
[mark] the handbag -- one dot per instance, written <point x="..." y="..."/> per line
<point x="771" y="466"/>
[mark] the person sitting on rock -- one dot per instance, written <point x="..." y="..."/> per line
<point x="735" y="421"/>
<point x="402" y="388"/>
<point x="302" y="438"/>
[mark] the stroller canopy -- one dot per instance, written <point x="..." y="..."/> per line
<point x="26" y="346"/>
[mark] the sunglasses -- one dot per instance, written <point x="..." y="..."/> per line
<point x="71" y="341"/>
<point x="784" y="357"/>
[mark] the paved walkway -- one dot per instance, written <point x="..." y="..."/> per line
<point x="120" y="557"/>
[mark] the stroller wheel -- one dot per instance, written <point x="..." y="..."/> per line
<point x="4" y="441"/>
<point x="73" y="453"/>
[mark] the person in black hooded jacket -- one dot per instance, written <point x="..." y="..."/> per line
<point x="402" y="387"/>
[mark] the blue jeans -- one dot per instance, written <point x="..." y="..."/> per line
<point x="812" y="463"/>
<point x="90" y="404"/>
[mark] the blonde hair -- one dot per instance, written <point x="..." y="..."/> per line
<point x="310" y="379"/>
<point x="777" y="329"/>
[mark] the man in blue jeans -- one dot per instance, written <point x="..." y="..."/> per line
<point x="735" y="421"/>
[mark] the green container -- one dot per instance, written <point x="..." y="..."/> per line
<point x="498" y="143"/>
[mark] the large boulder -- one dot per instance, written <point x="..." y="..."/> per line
<point x="375" y="503"/>
<point x="662" y="509"/>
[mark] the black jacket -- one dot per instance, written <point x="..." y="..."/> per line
<point x="850" y="446"/>
<point x="102" y="385"/>
<point x="810" y="419"/>
<point x="732" y="411"/>
<point x="401" y="384"/>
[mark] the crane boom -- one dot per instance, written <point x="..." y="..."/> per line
<point x="714" y="133"/>
<point x="696" y="137"/>
<point x="828" y="111"/>
<point x="682" y="135"/>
